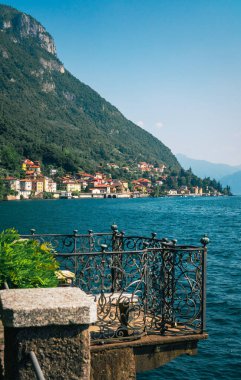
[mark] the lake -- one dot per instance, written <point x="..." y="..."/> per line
<point x="185" y="219"/>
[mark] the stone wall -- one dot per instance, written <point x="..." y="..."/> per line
<point x="52" y="323"/>
<point x="61" y="351"/>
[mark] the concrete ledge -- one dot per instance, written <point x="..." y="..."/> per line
<point x="46" y="306"/>
<point x="150" y="340"/>
<point x="147" y="353"/>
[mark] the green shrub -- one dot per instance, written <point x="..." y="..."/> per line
<point x="26" y="263"/>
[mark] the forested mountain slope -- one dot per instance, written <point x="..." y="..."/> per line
<point x="49" y="115"/>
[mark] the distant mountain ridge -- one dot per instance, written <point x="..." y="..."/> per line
<point x="204" y="168"/>
<point x="233" y="181"/>
<point x="227" y="175"/>
<point x="47" y="114"/>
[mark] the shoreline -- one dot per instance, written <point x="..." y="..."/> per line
<point x="119" y="196"/>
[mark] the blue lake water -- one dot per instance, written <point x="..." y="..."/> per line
<point x="185" y="219"/>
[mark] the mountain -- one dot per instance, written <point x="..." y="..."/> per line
<point x="204" y="168"/>
<point x="233" y="181"/>
<point x="47" y="114"/>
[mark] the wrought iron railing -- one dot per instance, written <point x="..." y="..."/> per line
<point x="142" y="285"/>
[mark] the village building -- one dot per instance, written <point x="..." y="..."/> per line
<point x="25" y="188"/>
<point x="119" y="186"/>
<point x="13" y="183"/>
<point x="113" y="166"/>
<point x="172" y="192"/>
<point x="143" y="166"/>
<point x="72" y="186"/>
<point x="49" y="185"/>
<point x="99" y="175"/>
<point x="53" y="172"/>
<point x="183" y="190"/>
<point x="198" y="191"/>
<point x="38" y="186"/>
<point x="83" y="184"/>
<point x="160" y="169"/>
<point x="85" y="176"/>
<point x="31" y="166"/>
<point x="144" y="182"/>
<point x="100" y="189"/>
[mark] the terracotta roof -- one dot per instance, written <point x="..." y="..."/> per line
<point x="85" y="174"/>
<point x="8" y="178"/>
<point x="28" y="162"/>
<point x="144" y="180"/>
<point x="102" y="186"/>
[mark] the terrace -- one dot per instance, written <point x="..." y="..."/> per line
<point x="149" y="292"/>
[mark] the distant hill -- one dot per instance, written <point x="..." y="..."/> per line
<point x="234" y="181"/>
<point x="204" y="168"/>
<point x="47" y="114"/>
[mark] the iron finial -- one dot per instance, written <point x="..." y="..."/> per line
<point x="204" y="240"/>
<point x="114" y="227"/>
<point x="103" y="247"/>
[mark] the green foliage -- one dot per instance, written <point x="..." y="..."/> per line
<point x="75" y="193"/>
<point x="227" y="190"/>
<point x="4" y="190"/>
<point x="156" y="192"/>
<point x="186" y="178"/>
<point x="47" y="195"/>
<point x="26" y="263"/>
<point x="9" y="158"/>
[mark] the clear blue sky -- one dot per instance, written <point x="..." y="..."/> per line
<point x="171" y="66"/>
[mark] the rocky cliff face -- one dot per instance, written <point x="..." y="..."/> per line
<point x="24" y="26"/>
<point x="29" y="27"/>
<point x="22" y="29"/>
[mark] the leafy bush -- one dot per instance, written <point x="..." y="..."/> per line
<point x="26" y="263"/>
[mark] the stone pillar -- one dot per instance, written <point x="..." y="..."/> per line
<point x="54" y="324"/>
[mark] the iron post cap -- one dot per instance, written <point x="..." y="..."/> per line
<point x="103" y="247"/>
<point x="114" y="227"/>
<point x="204" y="240"/>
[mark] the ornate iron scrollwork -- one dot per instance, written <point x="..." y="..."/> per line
<point x="141" y="285"/>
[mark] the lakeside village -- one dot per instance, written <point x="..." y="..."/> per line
<point x="153" y="181"/>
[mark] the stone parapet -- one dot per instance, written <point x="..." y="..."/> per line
<point x="46" y="306"/>
<point x="54" y="324"/>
